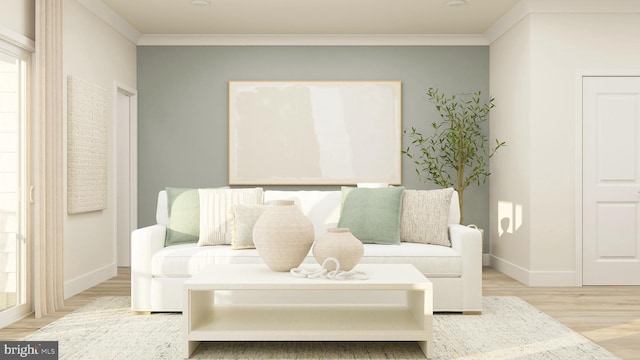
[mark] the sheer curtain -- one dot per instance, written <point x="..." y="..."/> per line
<point x="48" y="160"/>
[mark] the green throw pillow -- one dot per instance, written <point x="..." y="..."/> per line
<point x="184" y="216"/>
<point x="372" y="215"/>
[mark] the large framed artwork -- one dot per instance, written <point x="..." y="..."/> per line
<point x="315" y="132"/>
<point x="87" y="135"/>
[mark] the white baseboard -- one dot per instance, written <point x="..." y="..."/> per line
<point x="87" y="281"/>
<point x="486" y="259"/>
<point x="510" y="269"/>
<point x="533" y="278"/>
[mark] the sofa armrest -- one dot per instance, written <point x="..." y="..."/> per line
<point x="468" y="241"/>
<point x="145" y="242"/>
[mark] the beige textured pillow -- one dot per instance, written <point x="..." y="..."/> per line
<point x="215" y="212"/>
<point x="243" y="218"/>
<point x="425" y="216"/>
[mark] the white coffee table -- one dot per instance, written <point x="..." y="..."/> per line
<point x="276" y="306"/>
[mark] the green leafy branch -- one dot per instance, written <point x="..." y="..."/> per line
<point x="455" y="154"/>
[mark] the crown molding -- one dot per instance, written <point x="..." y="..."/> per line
<point x="312" y="40"/>
<point x="507" y="21"/>
<point x="106" y="14"/>
<point x="510" y="19"/>
<point x="582" y="6"/>
<point x="527" y="7"/>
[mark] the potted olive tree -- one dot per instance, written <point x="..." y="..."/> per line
<point x="456" y="154"/>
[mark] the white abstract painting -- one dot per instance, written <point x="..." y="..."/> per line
<point x="86" y="146"/>
<point x="314" y="132"/>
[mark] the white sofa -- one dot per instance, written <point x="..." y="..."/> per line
<point x="158" y="272"/>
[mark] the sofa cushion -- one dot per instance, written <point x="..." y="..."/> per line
<point x="183" y="208"/>
<point x="431" y="260"/>
<point x="425" y="216"/>
<point x="372" y="214"/>
<point x="215" y="212"/>
<point x="321" y="207"/>
<point x="162" y="211"/>
<point x="243" y="219"/>
<point x="187" y="259"/>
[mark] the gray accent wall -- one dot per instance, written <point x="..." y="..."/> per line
<point x="183" y="103"/>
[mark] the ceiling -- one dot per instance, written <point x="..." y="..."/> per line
<point x="314" y="17"/>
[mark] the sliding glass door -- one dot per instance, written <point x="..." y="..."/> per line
<point x="15" y="299"/>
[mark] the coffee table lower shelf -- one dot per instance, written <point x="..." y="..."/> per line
<point x="306" y="323"/>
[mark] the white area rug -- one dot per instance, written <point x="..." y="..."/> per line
<point x="509" y="328"/>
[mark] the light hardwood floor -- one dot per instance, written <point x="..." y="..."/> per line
<point x="608" y="315"/>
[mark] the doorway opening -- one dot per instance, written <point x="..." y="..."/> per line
<point x="126" y="126"/>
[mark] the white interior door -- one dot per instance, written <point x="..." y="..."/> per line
<point x="611" y="181"/>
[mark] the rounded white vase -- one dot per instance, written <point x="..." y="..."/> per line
<point x="338" y="243"/>
<point x="283" y="235"/>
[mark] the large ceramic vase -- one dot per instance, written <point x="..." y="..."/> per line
<point x="338" y="243"/>
<point x="283" y="235"/>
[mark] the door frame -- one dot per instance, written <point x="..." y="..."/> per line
<point x="580" y="75"/>
<point x="132" y="95"/>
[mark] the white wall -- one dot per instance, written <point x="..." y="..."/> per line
<point x="97" y="53"/>
<point x="559" y="46"/>
<point x="18" y="16"/>
<point x="510" y="72"/>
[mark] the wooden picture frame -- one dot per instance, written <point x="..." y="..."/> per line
<point x="315" y="132"/>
